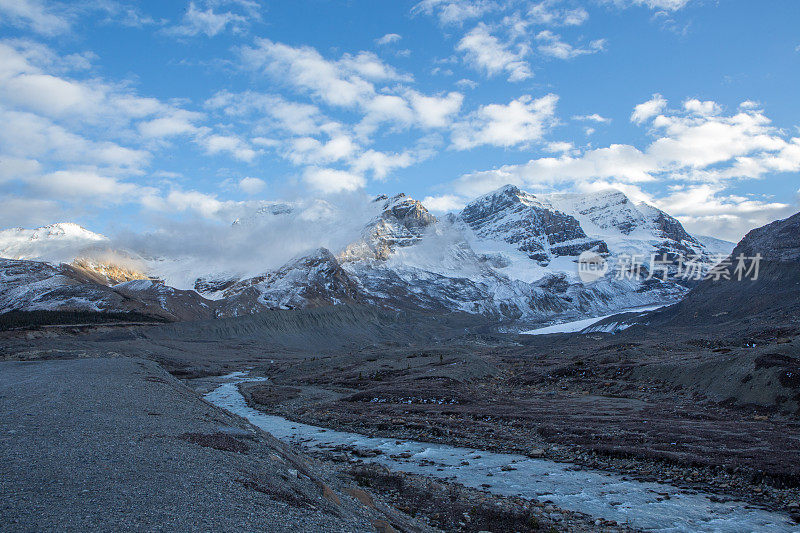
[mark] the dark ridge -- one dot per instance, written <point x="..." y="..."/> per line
<point x="738" y="307"/>
<point x="33" y="319"/>
<point x="325" y="329"/>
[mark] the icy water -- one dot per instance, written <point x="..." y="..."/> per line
<point x="640" y="504"/>
<point x="578" y="325"/>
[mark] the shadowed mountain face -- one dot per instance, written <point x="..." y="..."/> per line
<point x="324" y="330"/>
<point x="779" y="241"/>
<point x="771" y="299"/>
<point x="729" y="339"/>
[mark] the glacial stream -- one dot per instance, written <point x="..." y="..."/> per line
<point x="650" y="506"/>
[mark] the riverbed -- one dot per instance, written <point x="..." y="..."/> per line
<point x="645" y="505"/>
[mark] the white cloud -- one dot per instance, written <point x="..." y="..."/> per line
<point x="547" y="13"/>
<point x="594" y="117"/>
<point x="369" y="66"/>
<point x="353" y="82"/>
<point x="520" y="122"/>
<point x="271" y="111"/>
<point x="559" y="147"/>
<point x="305" y="68"/>
<point x="444" y="203"/>
<point x="305" y="137"/>
<point x="29" y="212"/>
<point x="205" y="204"/>
<point x="552" y="45"/>
<point x="466" y="84"/>
<point x="12" y="168"/>
<point x="487" y="53"/>
<point x="251" y="186"/>
<point x="484" y="50"/>
<point x="26" y="85"/>
<point x="389" y="38"/>
<point x="180" y="122"/>
<point x="665" y="5"/>
<point x="328" y="180"/>
<point x="385" y="108"/>
<point x="706" y="208"/>
<point x="26" y="135"/>
<point x="455" y="11"/>
<point x="699" y="142"/>
<point x="687" y="147"/>
<point x="696" y="149"/>
<point x="87" y="185"/>
<point x="33" y="14"/>
<point x="215" y="144"/>
<point x="618" y="162"/>
<point x="77" y="141"/>
<point x="310" y="151"/>
<point x="196" y="21"/>
<point x="702" y="108"/>
<point x="648" y="109"/>
<point x="381" y="164"/>
<point x="435" y="111"/>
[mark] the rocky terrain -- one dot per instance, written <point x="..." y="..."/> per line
<point x="701" y="396"/>
<point x="129" y="447"/>
<point x="37" y="286"/>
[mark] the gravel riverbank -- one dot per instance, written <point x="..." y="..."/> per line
<point x="119" y="444"/>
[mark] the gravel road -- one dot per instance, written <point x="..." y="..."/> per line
<point x="117" y="443"/>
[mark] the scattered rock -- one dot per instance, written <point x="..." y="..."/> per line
<point x="382" y="526"/>
<point x="361" y="496"/>
<point x="329" y="495"/>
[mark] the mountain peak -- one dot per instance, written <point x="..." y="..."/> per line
<point x="534" y="227"/>
<point x="65" y="229"/>
<point x="508" y="189"/>
<point x="401" y="223"/>
<point x="62" y="241"/>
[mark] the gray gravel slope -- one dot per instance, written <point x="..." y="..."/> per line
<point x="110" y="444"/>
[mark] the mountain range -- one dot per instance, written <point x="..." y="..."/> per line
<point x="508" y="255"/>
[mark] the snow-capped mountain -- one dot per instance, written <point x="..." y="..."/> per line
<point x="532" y="225"/>
<point x="35" y="285"/>
<point x="312" y="280"/>
<point x="66" y="242"/>
<point x="716" y="247"/>
<point x="402" y="222"/>
<point x="625" y="226"/>
<point x="508" y="255"/>
<point x="60" y="242"/>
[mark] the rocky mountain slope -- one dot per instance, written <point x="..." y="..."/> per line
<point x="766" y="296"/>
<point x="35" y="285"/>
<point x="508" y="255"/>
<point x="778" y="241"/>
<point x="531" y="224"/>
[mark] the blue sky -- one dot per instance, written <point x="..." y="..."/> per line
<point x="121" y="115"/>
